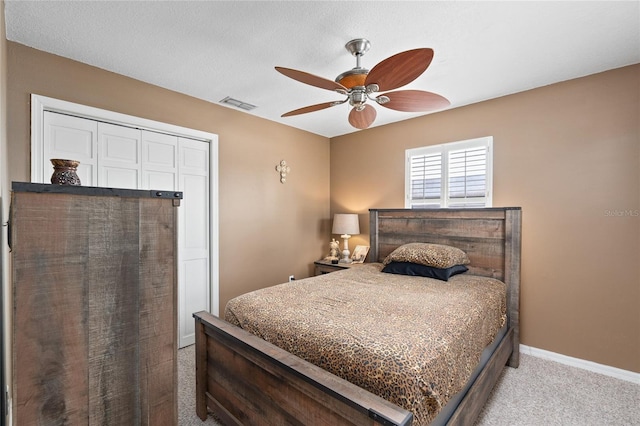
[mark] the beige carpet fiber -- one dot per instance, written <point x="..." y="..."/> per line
<point x="539" y="392"/>
<point x="187" y="389"/>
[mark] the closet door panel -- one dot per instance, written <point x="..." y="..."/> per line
<point x="159" y="161"/>
<point x="159" y="180"/>
<point x="119" y="160"/>
<point x="119" y="178"/>
<point x="71" y="138"/>
<point x="194" y="264"/>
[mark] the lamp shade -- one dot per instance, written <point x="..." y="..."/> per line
<point x="346" y="224"/>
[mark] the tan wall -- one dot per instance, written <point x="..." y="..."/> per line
<point x="268" y="230"/>
<point x="566" y="153"/>
<point x="569" y="155"/>
<point x="5" y="295"/>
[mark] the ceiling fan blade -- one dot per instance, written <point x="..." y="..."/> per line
<point x="362" y="119"/>
<point x="310" y="108"/>
<point x="313" y="80"/>
<point x="414" y="101"/>
<point x="399" y="69"/>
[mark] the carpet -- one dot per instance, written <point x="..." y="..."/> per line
<point x="187" y="390"/>
<point x="539" y="392"/>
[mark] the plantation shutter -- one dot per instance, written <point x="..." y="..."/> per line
<point x="467" y="176"/>
<point x="426" y="180"/>
<point x="457" y="174"/>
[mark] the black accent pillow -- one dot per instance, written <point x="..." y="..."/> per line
<point x="415" y="269"/>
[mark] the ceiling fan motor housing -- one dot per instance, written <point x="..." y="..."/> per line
<point x="352" y="78"/>
<point x="356" y="76"/>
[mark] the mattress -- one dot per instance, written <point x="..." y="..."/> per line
<point x="413" y="341"/>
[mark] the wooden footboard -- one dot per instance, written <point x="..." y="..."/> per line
<point x="245" y="380"/>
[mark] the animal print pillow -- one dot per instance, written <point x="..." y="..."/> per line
<point x="435" y="255"/>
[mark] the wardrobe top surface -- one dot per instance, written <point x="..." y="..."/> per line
<point x="94" y="190"/>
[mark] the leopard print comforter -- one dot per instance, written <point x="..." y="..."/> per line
<point x="413" y="341"/>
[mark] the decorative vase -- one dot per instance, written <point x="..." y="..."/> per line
<point x="64" y="172"/>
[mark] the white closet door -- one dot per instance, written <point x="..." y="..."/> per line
<point x="194" y="234"/>
<point x="125" y="157"/>
<point x="159" y="161"/>
<point x="119" y="159"/>
<point x="71" y="138"/>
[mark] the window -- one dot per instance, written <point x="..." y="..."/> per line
<point x="456" y="174"/>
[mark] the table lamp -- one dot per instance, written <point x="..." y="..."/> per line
<point x="346" y="224"/>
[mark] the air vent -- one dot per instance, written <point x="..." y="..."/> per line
<point x="238" y="104"/>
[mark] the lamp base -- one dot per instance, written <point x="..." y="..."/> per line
<point x="346" y="254"/>
<point x="346" y="257"/>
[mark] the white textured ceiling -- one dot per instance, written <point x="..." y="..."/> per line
<point x="214" y="49"/>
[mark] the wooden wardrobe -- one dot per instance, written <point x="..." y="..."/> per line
<point x="95" y="316"/>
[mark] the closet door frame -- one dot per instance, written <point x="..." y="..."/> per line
<point x="40" y="104"/>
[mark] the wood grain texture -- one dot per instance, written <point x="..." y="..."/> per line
<point x="307" y="109"/>
<point x="112" y="304"/>
<point x="400" y="69"/>
<point x="201" y="370"/>
<point x="362" y="119"/>
<point x="310" y="79"/>
<point x="248" y="380"/>
<point x="95" y="331"/>
<point x="158" y="313"/>
<point x="414" y="101"/>
<point x="513" y="242"/>
<point x="50" y="382"/>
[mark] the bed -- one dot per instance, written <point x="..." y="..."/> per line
<point x="244" y="379"/>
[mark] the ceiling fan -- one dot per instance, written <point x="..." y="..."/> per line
<point x="359" y="85"/>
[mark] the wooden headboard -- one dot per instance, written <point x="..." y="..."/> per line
<point x="491" y="237"/>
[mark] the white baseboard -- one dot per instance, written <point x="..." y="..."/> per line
<point x="606" y="370"/>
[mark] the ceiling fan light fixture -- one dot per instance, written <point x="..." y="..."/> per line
<point x="352" y="78"/>
<point x="358" y="97"/>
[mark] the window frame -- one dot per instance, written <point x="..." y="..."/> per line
<point x="444" y="150"/>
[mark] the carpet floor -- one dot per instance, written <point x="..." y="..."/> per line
<point x="539" y="392"/>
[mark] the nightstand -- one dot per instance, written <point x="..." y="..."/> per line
<point x="325" y="266"/>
